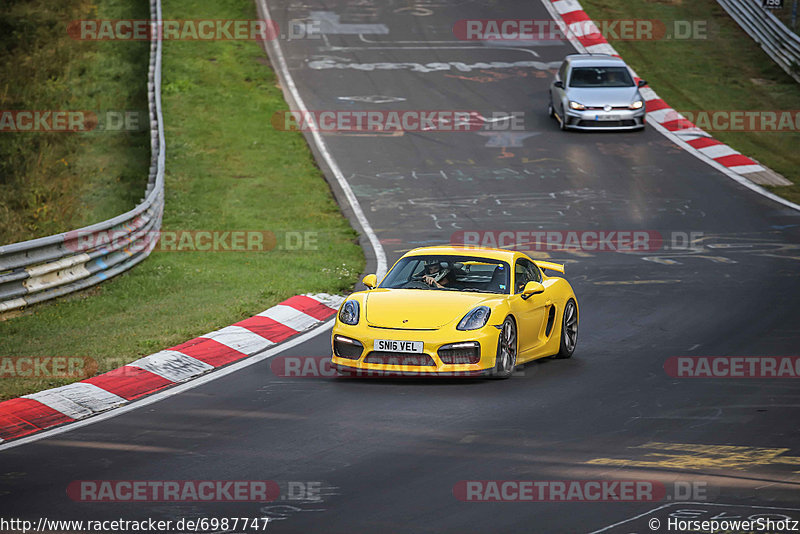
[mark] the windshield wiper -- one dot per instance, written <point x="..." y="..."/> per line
<point x="476" y="290"/>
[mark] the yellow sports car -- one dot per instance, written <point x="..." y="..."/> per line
<point x="454" y="310"/>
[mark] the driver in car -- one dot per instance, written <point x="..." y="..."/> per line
<point x="434" y="275"/>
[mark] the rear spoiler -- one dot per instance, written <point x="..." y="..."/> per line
<point x="550" y="266"/>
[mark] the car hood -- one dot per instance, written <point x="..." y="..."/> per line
<point x="420" y="308"/>
<point x="601" y="96"/>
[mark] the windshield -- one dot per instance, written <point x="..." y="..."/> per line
<point x="600" y="77"/>
<point x="449" y="273"/>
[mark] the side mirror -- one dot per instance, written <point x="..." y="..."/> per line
<point x="559" y="84"/>
<point x="531" y="289"/>
<point x="642" y="83"/>
<point x="370" y="281"/>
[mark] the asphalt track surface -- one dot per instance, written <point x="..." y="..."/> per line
<point x="388" y="453"/>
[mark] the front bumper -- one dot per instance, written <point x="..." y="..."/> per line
<point x="616" y="119"/>
<point x="359" y="372"/>
<point x="487" y="337"/>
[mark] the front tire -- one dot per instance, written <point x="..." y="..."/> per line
<point x="569" y="331"/>
<point x="506" y="356"/>
<point x="562" y="121"/>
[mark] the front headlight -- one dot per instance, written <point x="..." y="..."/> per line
<point x="349" y="312"/>
<point x="637" y="105"/>
<point x="576" y="105"/>
<point x="475" y="319"/>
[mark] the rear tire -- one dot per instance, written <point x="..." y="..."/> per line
<point x="569" y="331"/>
<point x="506" y="355"/>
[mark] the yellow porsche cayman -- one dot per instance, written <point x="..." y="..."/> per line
<point x="451" y="310"/>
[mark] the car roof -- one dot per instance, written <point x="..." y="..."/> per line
<point x="587" y="60"/>
<point x="492" y="253"/>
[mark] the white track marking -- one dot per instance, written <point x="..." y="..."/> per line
<point x="280" y="64"/>
<point x="372" y="99"/>
<point x="662" y="115"/>
<point x="331" y="301"/>
<point x="744" y="169"/>
<point x="691" y="135"/>
<point x="77" y="400"/>
<point x="341" y="48"/>
<point x="601" y="48"/>
<point x="439" y="66"/>
<point x="718" y="151"/>
<point x="294" y="319"/>
<point x="172" y="365"/>
<point x="239" y="338"/>
<point x="565" y="6"/>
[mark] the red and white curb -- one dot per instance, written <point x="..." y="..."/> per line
<point x="659" y="114"/>
<point x="58" y="406"/>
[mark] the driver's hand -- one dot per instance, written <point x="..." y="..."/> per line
<point x="428" y="280"/>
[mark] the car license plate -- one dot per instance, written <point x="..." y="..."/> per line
<point x="606" y="117"/>
<point x="390" y="345"/>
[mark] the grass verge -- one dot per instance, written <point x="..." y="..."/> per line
<point x="227" y="169"/>
<point x="725" y="71"/>
<point x="51" y="182"/>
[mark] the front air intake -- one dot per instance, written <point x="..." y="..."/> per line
<point x="399" y="358"/>
<point x="460" y="353"/>
<point x="344" y="347"/>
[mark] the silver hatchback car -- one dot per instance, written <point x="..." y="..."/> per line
<point x="596" y="92"/>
